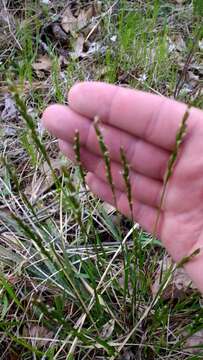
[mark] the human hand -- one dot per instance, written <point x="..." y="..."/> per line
<point x="145" y="125"/>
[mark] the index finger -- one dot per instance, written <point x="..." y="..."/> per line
<point x="154" y="118"/>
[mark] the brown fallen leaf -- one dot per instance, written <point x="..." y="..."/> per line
<point x="179" y="285"/>
<point x="78" y="47"/>
<point x="43" y="63"/>
<point x="59" y="33"/>
<point x="97" y="8"/>
<point x="177" y="42"/>
<point x="69" y="21"/>
<point x="84" y="17"/>
<point x="38" y="335"/>
<point x="45" y="181"/>
<point x="72" y="24"/>
<point x="194" y="341"/>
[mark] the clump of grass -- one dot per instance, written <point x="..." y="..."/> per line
<point x="70" y="289"/>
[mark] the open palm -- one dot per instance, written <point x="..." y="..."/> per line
<point x="145" y="125"/>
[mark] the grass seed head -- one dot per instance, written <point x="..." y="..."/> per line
<point x="126" y="177"/>
<point x="76" y="148"/>
<point x="106" y="156"/>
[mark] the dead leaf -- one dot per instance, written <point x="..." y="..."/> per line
<point x="97" y="8"/>
<point x="179" y="285"/>
<point x="68" y="22"/>
<point x="78" y="48"/>
<point x="10" y="111"/>
<point x="177" y="43"/>
<point x="84" y="17"/>
<point x="108" y="329"/>
<point x="59" y="33"/>
<point x="43" y="63"/>
<point x="194" y="340"/>
<point x="72" y="24"/>
<point x="38" y="335"/>
<point x="45" y="181"/>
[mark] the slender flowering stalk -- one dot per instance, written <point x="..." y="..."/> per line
<point x="179" y="139"/>
<point x="186" y="259"/>
<point x="136" y="248"/>
<point x="126" y="177"/>
<point x="172" y="160"/>
<point x="76" y="148"/>
<point x="72" y="198"/>
<point x="106" y="157"/>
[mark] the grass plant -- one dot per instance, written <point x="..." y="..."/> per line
<point x="76" y="277"/>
